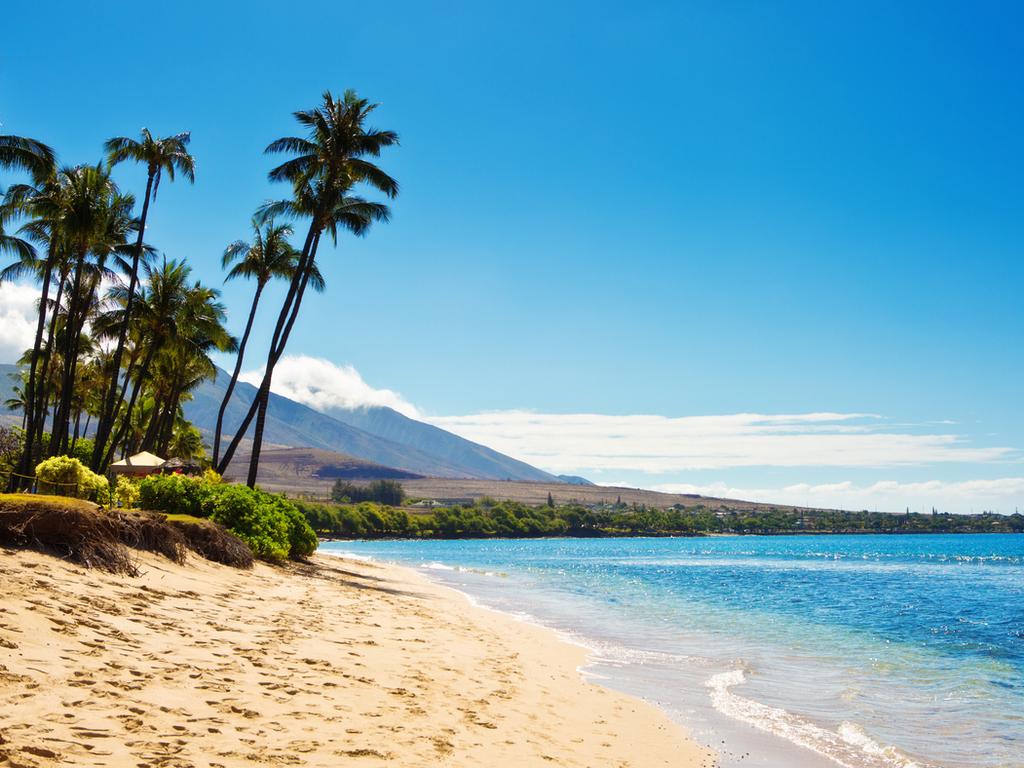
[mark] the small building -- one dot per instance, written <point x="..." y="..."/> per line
<point x="139" y="465"/>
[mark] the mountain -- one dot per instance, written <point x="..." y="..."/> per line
<point x="574" y="480"/>
<point x="391" y="425"/>
<point x="378" y="434"/>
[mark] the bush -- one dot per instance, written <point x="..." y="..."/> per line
<point x="381" y="491"/>
<point x="261" y="525"/>
<point x="126" y="493"/>
<point x="302" y="541"/>
<point x="259" y="518"/>
<point x="65" y="476"/>
<point x="175" y="495"/>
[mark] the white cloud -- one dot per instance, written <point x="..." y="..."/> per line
<point x="18" y="313"/>
<point x="1001" y="494"/>
<point x="659" y="444"/>
<point x="322" y="385"/>
<point x="598" y="444"/>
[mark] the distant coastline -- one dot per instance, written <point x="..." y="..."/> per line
<point x="490" y="519"/>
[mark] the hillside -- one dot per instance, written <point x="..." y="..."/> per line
<point x="378" y="435"/>
<point x="284" y="466"/>
<point x="455" y="490"/>
<point x="391" y="425"/>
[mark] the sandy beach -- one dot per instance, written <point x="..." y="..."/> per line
<point x="335" y="663"/>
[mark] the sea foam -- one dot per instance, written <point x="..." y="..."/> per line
<point x="849" y="745"/>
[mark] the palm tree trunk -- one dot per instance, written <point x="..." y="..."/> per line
<point x="28" y="420"/>
<point x="127" y="420"/>
<point x="59" y="433"/>
<point x="234" y="375"/>
<point x="264" y="393"/>
<point x="42" y="410"/>
<point x="167" y="433"/>
<point x="78" y="428"/>
<point x="112" y="401"/>
<point x="282" y="319"/>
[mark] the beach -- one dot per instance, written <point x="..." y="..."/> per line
<point x="335" y="662"/>
<point x="811" y="651"/>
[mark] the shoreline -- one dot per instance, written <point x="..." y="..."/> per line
<point x="339" y="659"/>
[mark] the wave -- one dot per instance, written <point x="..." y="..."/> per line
<point x="346" y="555"/>
<point x="849" y="745"/>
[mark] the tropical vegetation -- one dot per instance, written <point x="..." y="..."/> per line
<point x="508" y="519"/>
<point x="124" y="334"/>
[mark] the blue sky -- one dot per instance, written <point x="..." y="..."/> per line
<point x="665" y="209"/>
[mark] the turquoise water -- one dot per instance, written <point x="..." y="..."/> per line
<point x="860" y="651"/>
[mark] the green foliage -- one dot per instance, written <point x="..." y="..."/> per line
<point x="67" y="476"/>
<point x="302" y="540"/>
<point x="82" y="450"/>
<point x="381" y="491"/>
<point x="11" y="439"/>
<point x="262" y="526"/>
<point x="126" y="493"/>
<point x="271" y="525"/>
<point x="176" y="495"/>
<point x="507" y="519"/>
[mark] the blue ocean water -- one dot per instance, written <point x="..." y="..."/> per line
<point x="859" y="651"/>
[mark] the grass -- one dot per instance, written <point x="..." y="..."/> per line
<point x="18" y="502"/>
<point x="187" y="519"/>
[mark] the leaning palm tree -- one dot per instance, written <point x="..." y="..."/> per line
<point x="159" y="155"/>
<point x="327" y="165"/>
<point x="269" y="255"/>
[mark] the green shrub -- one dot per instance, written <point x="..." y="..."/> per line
<point x="302" y="541"/>
<point x="176" y="495"/>
<point x="126" y="493"/>
<point x="259" y="523"/>
<point x="65" y="476"/>
<point x="382" y="491"/>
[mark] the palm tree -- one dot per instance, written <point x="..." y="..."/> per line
<point x="95" y="224"/>
<point x="19" y="248"/>
<point x="39" y="161"/>
<point x="327" y="164"/>
<point x="185" y="360"/>
<point x="21" y="153"/>
<point x="177" y="324"/>
<point x="269" y="255"/>
<point x="159" y="155"/>
<point x="18" y="401"/>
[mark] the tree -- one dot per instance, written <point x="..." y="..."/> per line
<point x="269" y="255"/>
<point x="166" y="155"/>
<point x="91" y="221"/>
<point x="24" y="154"/>
<point x="39" y="160"/>
<point x="176" y="325"/>
<point x="327" y="165"/>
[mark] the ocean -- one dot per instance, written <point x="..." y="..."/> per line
<point x="779" y="651"/>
